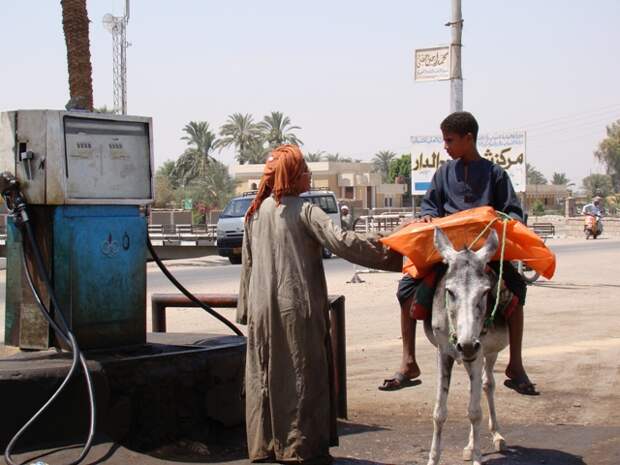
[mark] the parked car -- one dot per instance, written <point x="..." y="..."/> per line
<point x="230" y="224"/>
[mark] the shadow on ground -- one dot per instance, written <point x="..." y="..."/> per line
<point x="529" y="456"/>
<point x="346" y="428"/>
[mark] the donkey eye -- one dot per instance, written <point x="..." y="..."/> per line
<point x="450" y="295"/>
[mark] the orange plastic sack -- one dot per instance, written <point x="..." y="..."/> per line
<point x="415" y="241"/>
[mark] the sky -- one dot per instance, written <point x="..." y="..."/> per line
<point x="342" y="70"/>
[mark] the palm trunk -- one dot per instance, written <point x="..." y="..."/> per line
<point x="75" y="26"/>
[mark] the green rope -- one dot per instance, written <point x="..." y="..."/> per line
<point x="489" y="321"/>
<point x="482" y="233"/>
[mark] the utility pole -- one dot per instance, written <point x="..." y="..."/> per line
<point x="456" y="73"/>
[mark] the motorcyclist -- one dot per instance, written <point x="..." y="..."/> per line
<point x="595" y="209"/>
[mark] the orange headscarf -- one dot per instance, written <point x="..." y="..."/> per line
<point x="282" y="176"/>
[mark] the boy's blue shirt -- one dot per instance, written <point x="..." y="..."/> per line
<point x="487" y="185"/>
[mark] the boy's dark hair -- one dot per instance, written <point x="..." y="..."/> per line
<point x="461" y="123"/>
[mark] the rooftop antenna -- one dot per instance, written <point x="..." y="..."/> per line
<point x="117" y="26"/>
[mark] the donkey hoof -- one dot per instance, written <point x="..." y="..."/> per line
<point x="468" y="454"/>
<point x="499" y="444"/>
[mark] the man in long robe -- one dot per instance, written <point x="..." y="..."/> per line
<point x="283" y="300"/>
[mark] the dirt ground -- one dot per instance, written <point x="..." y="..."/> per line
<point x="571" y="350"/>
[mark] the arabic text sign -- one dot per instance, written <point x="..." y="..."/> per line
<point x="432" y="64"/>
<point x="505" y="149"/>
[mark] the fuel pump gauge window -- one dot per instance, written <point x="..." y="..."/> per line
<point x="107" y="159"/>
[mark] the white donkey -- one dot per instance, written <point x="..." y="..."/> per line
<point x="457" y="329"/>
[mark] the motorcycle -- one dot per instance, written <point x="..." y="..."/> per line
<point x="592" y="226"/>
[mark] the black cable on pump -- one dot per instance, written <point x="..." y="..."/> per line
<point x="188" y="294"/>
<point x="17" y="206"/>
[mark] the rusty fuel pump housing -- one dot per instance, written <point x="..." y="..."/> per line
<point x="87" y="178"/>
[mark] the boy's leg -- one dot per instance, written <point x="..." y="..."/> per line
<point x="408" y="366"/>
<point x="515" y="371"/>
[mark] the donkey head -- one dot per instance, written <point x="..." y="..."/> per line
<point x="467" y="288"/>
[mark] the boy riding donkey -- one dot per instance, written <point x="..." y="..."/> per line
<point x="467" y="181"/>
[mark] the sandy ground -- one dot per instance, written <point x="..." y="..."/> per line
<point x="571" y="350"/>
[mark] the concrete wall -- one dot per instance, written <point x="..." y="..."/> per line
<point x="573" y="227"/>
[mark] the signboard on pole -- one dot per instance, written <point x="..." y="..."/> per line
<point x="507" y="149"/>
<point x="432" y="64"/>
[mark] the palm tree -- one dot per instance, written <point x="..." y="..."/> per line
<point x="278" y="130"/>
<point x="256" y="153"/>
<point x="239" y="131"/>
<point x="533" y="175"/>
<point x="314" y="156"/>
<point x="382" y="160"/>
<point x="335" y="157"/>
<point x="75" y="27"/>
<point x="560" y="179"/>
<point x="215" y="189"/>
<point x="201" y="140"/>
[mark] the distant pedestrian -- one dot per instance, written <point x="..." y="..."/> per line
<point x="346" y="218"/>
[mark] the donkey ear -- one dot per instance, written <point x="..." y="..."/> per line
<point x="443" y="245"/>
<point x="486" y="252"/>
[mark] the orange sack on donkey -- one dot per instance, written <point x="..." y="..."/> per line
<point x="415" y="241"/>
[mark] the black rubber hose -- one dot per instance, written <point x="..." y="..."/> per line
<point x="188" y="294"/>
<point x="65" y="334"/>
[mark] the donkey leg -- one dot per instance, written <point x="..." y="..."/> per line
<point x="488" y="384"/>
<point x="472" y="450"/>
<point x="444" y="372"/>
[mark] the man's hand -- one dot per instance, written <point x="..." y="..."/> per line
<point x="424" y="219"/>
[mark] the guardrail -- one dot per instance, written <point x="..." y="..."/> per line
<point x="380" y="223"/>
<point x="183" y="234"/>
<point x="169" y="234"/>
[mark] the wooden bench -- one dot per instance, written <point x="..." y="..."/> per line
<point x="338" y="359"/>
<point x="544" y="230"/>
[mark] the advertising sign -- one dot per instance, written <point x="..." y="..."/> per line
<point x="506" y="149"/>
<point x="432" y="64"/>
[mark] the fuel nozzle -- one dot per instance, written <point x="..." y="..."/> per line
<point x="8" y="183"/>
<point x="15" y="202"/>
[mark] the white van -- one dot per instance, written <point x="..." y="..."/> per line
<point x="230" y="223"/>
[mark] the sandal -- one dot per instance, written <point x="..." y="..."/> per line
<point x="525" y="387"/>
<point x="398" y="381"/>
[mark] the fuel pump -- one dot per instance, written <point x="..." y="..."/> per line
<point x="78" y="196"/>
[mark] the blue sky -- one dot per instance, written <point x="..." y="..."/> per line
<point x="341" y="70"/>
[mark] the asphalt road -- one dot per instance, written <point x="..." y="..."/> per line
<point x="223" y="278"/>
<point x="571" y="350"/>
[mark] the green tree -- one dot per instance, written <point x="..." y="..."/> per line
<point x="538" y="208"/>
<point x="560" y="179"/>
<point x="277" y="130"/>
<point x="608" y="153"/>
<point x="241" y="132"/>
<point x="214" y="190"/>
<point x="400" y="171"/>
<point x="314" y="156"/>
<point x="167" y="171"/>
<point x="193" y="163"/>
<point x="381" y="162"/>
<point x="75" y="24"/>
<point x="164" y="192"/>
<point x="533" y="175"/>
<point x="598" y="184"/>
<point x="201" y="141"/>
<point x="256" y="152"/>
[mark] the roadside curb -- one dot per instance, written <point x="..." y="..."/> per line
<point x="195" y="262"/>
